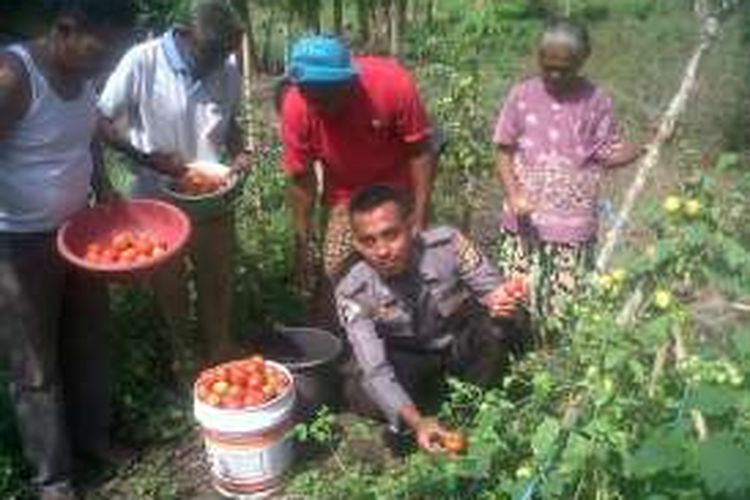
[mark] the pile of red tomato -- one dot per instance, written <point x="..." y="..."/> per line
<point x="241" y="384"/>
<point x="126" y="247"/>
<point x="196" y="183"/>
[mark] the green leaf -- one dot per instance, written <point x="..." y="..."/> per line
<point x="724" y="466"/>
<point x="695" y="236"/>
<point x="734" y="254"/>
<point x="545" y="437"/>
<point x="727" y="161"/>
<point x="664" y="450"/>
<point x="665" y="250"/>
<point x="714" y="400"/>
<point x="741" y="341"/>
<point x="576" y="452"/>
<point x="655" y="331"/>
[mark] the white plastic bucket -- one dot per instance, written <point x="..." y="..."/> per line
<point x="249" y="449"/>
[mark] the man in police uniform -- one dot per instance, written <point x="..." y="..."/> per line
<point x="416" y="306"/>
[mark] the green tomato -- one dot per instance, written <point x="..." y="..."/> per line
<point x="692" y="207"/>
<point x="523" y="472"/>
<point x="672" y="204"/>
<point x="662" y="299"/>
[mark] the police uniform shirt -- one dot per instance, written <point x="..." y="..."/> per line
<point x="446" y="270"/>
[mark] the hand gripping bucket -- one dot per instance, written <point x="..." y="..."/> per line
<point x="249" y="449"/>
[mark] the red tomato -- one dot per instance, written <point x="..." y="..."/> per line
<point x="454" y="442"/>
<point x="122" y="240"/>
<point x="93" y="257"/>
<point x="144" y="246"/>
<point x="207" y="378"/>
<point x="235" y="391"/>
<point x="220" y="387"/>
<point x="233" y="402"/>
<point x="94" y="248"/>
<point x="269" y="392"/>
<point x="237" y="376"/>
<point x="128" y="255"/>
<point x="253" y="369"/>
<point x="255" y="381"/>
<point x="203" y="392"/>
<point x="253" y="397"/>
<point x="109" y="256"/>
<point x="274" y="379"/>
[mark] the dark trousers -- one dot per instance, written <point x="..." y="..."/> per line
<point x="53" y="337"/>
<point x="480" y="354"/>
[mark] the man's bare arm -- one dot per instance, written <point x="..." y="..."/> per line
<point x="15" y="93"/>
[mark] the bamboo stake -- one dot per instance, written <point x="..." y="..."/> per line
<point x="680" y="353"/>
<point x="659" y="362"/>
<point x="739" y="306"/>
<point x="664" y="132"/>
<point x="247" y="88"/>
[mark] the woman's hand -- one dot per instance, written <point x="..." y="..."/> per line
<point x="520" y="205"/>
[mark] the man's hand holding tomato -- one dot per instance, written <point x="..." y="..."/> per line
<point x="431" y="436"/>
<point x="503" y="301"/>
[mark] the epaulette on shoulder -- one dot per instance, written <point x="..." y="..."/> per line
<point x="355" y="281"/>
<point x="438" y="236"/>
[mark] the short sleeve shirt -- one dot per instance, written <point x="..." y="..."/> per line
<point x="559" y="147"/>
<point x="166" y="109"/>
<point x="368" y="141"/>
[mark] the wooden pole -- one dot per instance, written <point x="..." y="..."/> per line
<point x="664" y="132"/>
<point x="338" y="16"/>
<point x="247" y="68"/>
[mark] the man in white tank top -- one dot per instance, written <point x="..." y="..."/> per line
<point x="53" y="318"/>
<point x="179" y="96"/>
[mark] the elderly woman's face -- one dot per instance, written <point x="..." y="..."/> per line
<point x="560" y="66"/>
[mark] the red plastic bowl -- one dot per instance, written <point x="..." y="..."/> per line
<point x="101" y="222"/>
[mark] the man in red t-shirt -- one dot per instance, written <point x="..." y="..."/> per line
<point x="363" y="120"/>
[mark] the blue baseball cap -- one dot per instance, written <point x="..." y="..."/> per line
<point x="320" y="59"/>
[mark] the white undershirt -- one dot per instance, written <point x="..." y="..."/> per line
<point x="45" y="162"/>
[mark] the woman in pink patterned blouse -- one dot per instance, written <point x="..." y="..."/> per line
<point x="555" y="137"/>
